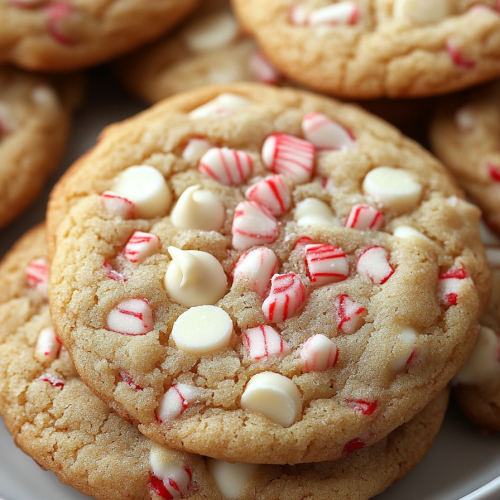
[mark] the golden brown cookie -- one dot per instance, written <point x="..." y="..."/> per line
<point x="55" y="419"/>
<point x="35" y="116"/>
<point x="465" y="135"/>
<point x="367" y="48"/>
<point x="66" y="35"/>
<point x="299" y="312"/>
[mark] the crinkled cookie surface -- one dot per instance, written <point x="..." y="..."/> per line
<point x="56" y="419"/>
<point x="60" y="36"/>
<point x="374" y="48"/>
<point x="465" y="135"/>
<point x="371" y="310"/>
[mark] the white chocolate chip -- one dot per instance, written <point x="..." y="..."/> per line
<point x="45" y="96"/>
<point x="464" y="118"/>
<point x="146" y="188"/>
<point x="211" y="32"/>
<point x="409" y="232"/>
<point x="196" y="148"/>
<point x="194" y="278"/>
<point x="198" y="209"/>
<point x="230" y="478"/>
<point x="202" y="329"/>
<point x="422" y="11"/>
<point x="314" y="212"/>
<point x="222" y="105"/>
<point x="483" y="364"/>
<point x="394" y="188"/>
<point x="275" y="396"/>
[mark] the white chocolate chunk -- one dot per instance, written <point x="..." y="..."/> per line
<point x="175" y="401"/>
<point x="194" y="278"/>
<point x="255" y="269"/>
<point x="422" y="11"/>
<point x="45" y="96"/>
<point x="483" y="364"/>
<point x="48" y="345"/>
<point x="465" y="119"/>
<point x="404" y="349"/>
<point x="409" y="232"/>
<point x="198" y="209"/>
<point x="202" y="329"/>
<point x="342" y="13"/>
<point x="326" y="134"/>
<point x="230" y="478"/>
<point x="196" y="148"/>
<point x="176" y="477"/>
<point x="131" y="317"/>
<point x="314" y="212"/>
<point x="263" y="342"/>
<point x="211" y="32"/>
<point x="222" y="105"/>
<point x="146" y="188"/>
<point x="318" y="353"/>
<point x="394" y="188"/>
<point x="275" y="396"/>
<point x="140" y="246"/>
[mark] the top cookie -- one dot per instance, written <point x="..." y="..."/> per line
<point x="465" y="135"/>
<point x="369" y="48"/>
<point x="61" y="36"/>
<point x="291" y="316"/>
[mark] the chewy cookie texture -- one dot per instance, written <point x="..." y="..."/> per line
<point x="349" y="279"/>
<point x="45" y="35"/>
<point x="56" y="420"/>
<point x="368" y="48"/>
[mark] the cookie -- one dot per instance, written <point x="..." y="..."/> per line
<point x="60" y="36"/>
<point x="35" y="116"/>
<point x="478" y="389"/>
<point x="366" y="49"/>
<point x="55" y="419"/>
<point x="465" y="135"/>
<point x="288" y="228"/>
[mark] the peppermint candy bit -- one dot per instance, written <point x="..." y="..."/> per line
<point x="112" y="274"/>
<point x="287" y="297"/>
<point x="37" y="273"/>
<point x="458" y="57"/>
<point x="449" y="284"/>
<point x="117" y="205"/>
<point x="364" y="218"/>
<point x="264" y="342"/>
<point x="227" y="166"/>
<point x="263" y="70"/>
<point x="494" y="172"/>
<point x="140" y="246"/>
<point x="129" y="380"/>
<point x="326" y="264"/>
<point x="342" y="13"/>
<point x="272" y="193"/>
<point x="131" y="317"/>
<point x="253" y="225"/>
<point x="57" y="14"/>
<point x="362" y="406"/>
<point x="222" y="105"/>
<point x="374" y="264"/>
<point x="319" y="353"/>
<point x="327" y="135"/>
<point x="50" y="379"/>
<point x="48" y="345"/>
<point x="349" y="314"/>
<point x="175" y="401"/>
<point x="353" y="445"/>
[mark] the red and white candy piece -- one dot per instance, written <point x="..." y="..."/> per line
<point x="129" y="380"/>
<point x="319" y="353"/>
<point x="50" y="379"/>
<point x="117" y="205"/>
<point x="298" y="14"/>
<point x="211" y="32"/>
<point x="275" y="396"/>
<point x="175" y="401"/>
<point x="253" y="225"/>
<point x="449" y="285"/>
<point x="464" y="118"/>
<point x="263" y="70"/>
<point x="374" y="263"/>
<point x="131" y="317"/>
<point x="255" y="269"/>
<point x="170" y="479"/>
<point x="230" y="478"/>
<point x="37" y="273"/>
<point x="48" y="345"/>
<point x="112" y="274"/>
<point x="288" y="296"/>
<point x="290" y="156"/>
<point x="326" y="264"/>
<point x="362" y="406"/>
<point x="140" y="246"/>
<point x="272" y="193"/>
<point x="364" y="218"/>
<point x="494" y="172"/>
<point x="222" y="105"/>
<point x="419" y="12"/>
<point x="342" y="13"/>
<point x="263" y="342"/>
<point x="325" y="134"/>
<point x="349" y="314"/>
<point x="457" y="56"/>
<point x="146" y="188"/>
<point x="196" y="148"/>
<point x="227" y="166"/>
<point x="404" y="350"/>
<point x="58" y="14"/>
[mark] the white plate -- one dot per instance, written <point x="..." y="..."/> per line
<point x="459" y="465"/>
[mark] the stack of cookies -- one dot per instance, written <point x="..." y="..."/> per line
<point x="255" y="292"/>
